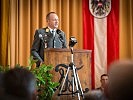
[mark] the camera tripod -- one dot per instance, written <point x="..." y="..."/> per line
<point x="75" y="79"/>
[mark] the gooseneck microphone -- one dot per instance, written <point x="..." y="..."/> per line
<point x="60" y="36"/>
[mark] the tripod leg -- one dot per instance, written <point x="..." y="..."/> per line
<point x="77" y="89"/>
<point x="72" y="85"/>
<point x="64" y="80"/>
<point x="80" y="85"/>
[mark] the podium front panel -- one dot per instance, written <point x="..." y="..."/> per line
<point x="54" y="57"/>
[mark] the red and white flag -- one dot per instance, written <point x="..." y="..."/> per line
<point x="101" y="34"/>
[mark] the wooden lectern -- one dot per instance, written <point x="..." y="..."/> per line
<point x="54" y="56"/>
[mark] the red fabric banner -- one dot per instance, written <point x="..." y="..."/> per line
<point x="113" y="32"/>
<point x="112" y="35"/>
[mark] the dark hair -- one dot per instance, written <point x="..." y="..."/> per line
<point x="104" y="75"/>
<point x="94" y="95"/>
<point x="47" y="16"/>
<point x="19" y="82"/>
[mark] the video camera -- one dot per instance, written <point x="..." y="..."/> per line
<point x="72" y="41"/>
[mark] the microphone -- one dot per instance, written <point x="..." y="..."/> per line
<point x="44" y="41"/>
<point x="60" y="35"/>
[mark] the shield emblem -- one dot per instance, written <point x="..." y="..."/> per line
<point x="100" y="8"/>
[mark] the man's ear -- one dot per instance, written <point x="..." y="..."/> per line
<point x="47" y="20"/>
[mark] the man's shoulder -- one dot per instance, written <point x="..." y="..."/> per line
<point x="41" y="29"/>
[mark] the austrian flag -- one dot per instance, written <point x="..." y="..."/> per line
<point x="101" y="34"/>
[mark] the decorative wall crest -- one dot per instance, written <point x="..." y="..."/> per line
<point x="100" y="8"/>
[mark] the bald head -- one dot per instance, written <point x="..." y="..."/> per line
<point x="52" y="20"/>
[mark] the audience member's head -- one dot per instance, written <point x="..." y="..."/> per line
<point x="19" y="83"/>
<point x="94" y="95"/>
<point x="121" y="81"/>
<point x="104" y="80"/>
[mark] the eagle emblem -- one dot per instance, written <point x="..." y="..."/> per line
<point x="100" y="8"/>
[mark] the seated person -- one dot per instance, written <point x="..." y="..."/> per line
<point x="104" y="82"/>
<point x="19" y="84"/>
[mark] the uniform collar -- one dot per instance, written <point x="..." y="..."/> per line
<point x="52" y="29"/>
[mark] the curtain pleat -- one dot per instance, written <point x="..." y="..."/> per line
<point x="126" y="29"/>
<point x="4" y="31"/>
<point x="13" y="32"/>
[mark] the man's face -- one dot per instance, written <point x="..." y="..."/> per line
<point x="53" y="21"/>
<point x="104" y="81"/>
